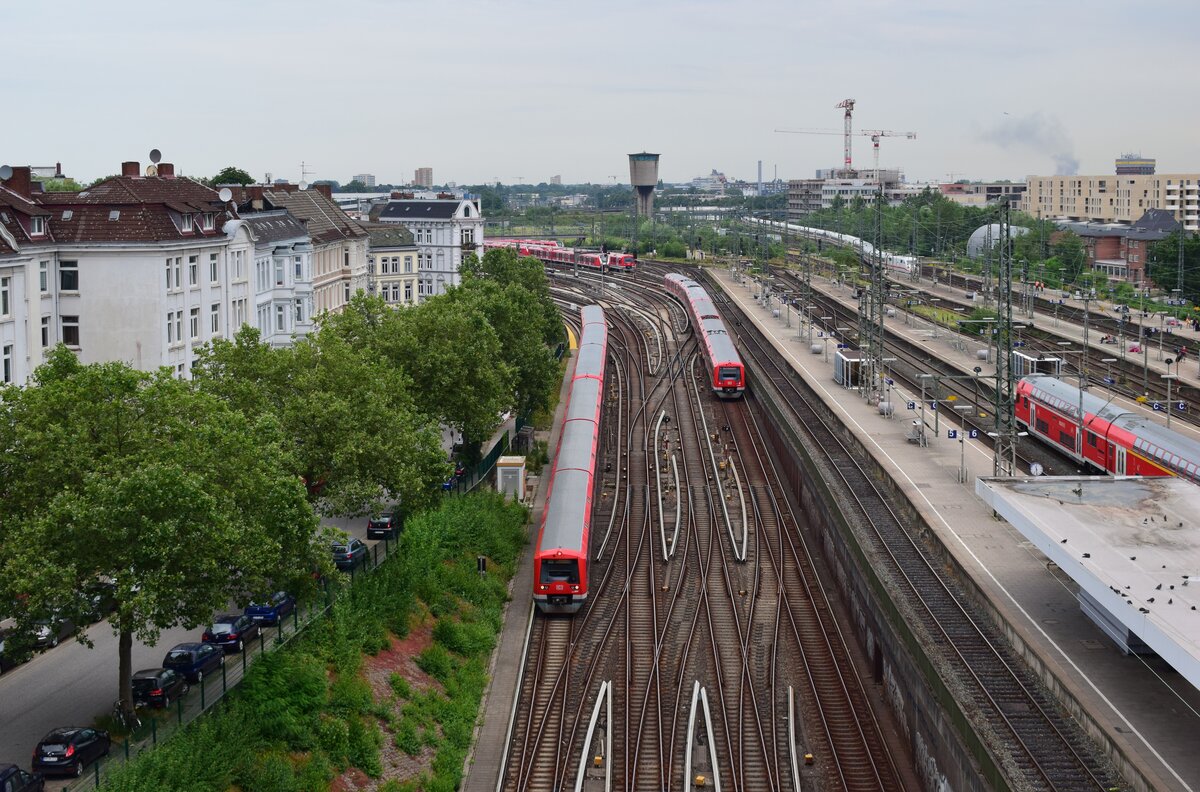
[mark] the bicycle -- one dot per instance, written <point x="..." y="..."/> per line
<point x="130" y="721"/>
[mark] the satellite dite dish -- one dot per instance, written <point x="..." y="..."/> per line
<point x="5" y="172"/>
<point x="155" y="156"/>
<point x="151" y="170"/>
<point x="226" y="195"/>
<point x="303" y="185"/>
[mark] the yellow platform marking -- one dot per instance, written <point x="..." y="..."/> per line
<point x="571" y="342"/>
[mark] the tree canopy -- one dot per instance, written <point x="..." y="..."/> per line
<point x="232" y="175"/>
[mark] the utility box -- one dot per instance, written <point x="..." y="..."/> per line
<point x="510" y="476"/>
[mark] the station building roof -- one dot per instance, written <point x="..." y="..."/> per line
<point x="1131" y="544"/>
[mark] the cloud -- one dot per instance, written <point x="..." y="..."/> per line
<point x="1036" y="132"/>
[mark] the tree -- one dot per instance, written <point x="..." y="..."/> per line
<point x="60" y="185"/>
<point x="347" y="416"/>
<point x="108" y="473"/>
<point x="232" y="175"/>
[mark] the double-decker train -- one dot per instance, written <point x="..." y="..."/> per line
<point x="560" y="562"/>
<point x="726" y="374"/>
<point x="1109" y="437"/>
<point x="551" y="252"/>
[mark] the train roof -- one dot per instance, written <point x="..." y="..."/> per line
<point x="1065" y="397"/>
<point x="592" y="314"/>
<point x="576" y="446"/>
<point x="590" y="360"/>
<point x="567" y="511"/>
<point x="585" y="400"/>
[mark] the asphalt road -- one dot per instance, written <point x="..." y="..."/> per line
<point x="72" y="685"/>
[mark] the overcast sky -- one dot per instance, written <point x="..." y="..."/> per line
<point x="522" y="90"/>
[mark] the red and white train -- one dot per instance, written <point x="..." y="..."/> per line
<point x="560" y="561"/>
<point x="727" y="375"/>
<point x="1112" y="438"/>
<point x="550" y="251"/>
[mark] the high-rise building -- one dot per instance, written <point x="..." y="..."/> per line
<point x="556" y="179"/>
<point x="1135" y="164"/>
<point x="423" y="177"/>
<point x="368" y="179"/>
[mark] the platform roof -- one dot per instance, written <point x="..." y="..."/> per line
<point x="1132" y="544"/>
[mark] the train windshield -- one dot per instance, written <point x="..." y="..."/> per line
<point x="728" y="373"/>
<point x="560" y="571"/>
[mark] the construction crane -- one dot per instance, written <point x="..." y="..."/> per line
<point x="849" y="105"/>
<point x="874" y="134"/>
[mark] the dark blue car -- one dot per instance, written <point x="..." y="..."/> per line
<point x="194" y="660"/>
<point x="270" y="612"/>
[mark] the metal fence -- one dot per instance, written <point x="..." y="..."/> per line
<point x="159" y="724"/>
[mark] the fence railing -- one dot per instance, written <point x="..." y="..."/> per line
<point x="160" y="724"/>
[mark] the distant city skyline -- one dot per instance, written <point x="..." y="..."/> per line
<point x="992" y="92"/>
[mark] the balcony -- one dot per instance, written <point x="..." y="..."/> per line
<point x="468" y="246"/>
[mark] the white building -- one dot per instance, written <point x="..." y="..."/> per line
<point x="443" y="230"/>
<point x="392" y="262"/>
<point x="281" y="275"/>
<point x="366" y="179"/>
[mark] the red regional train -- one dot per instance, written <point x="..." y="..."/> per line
<point x="552" y="252"/>
<point x="1120" y="441"/>
<point x="560" y="562"/>
<point x="727" y="375"/>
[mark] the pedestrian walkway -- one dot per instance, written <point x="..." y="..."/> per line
<point x="1141" y="707"/>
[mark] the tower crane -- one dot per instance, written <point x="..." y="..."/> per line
<point x="849" y="105"/>
<point x="874" y="134"/>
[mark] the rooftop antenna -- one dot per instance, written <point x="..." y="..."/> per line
<point x="304" y="172"/>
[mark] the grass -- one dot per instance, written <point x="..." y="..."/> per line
<point x="304" y="713"/>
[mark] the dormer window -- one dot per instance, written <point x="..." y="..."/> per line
<point x="186" y="224"/>
<point x="37" y="226"/>
<point x="208" y="221"/>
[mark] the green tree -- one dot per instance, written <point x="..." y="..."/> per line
<point x="111" y="473"/>
<point x="350" y="429"/>
<point x="232" y="175"/>
<point x="1164" y="265"/>
<point x="60" y="185"/>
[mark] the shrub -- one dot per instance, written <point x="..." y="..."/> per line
<point x="437" y="662"/>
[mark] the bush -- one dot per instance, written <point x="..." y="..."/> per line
<point x="436" y="662"/>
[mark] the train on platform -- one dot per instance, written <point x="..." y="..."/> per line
<point x="892" y="262"/>
<point x="551" y="252"/>
<point x="560" y="561"/>
<point x="726" y="373"/>
<point x="1095" y="432"/>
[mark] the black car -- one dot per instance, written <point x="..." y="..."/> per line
<point x="231" y="631"/>
<point x="14" y="779"/>
<point x="270" y="612"/>
<point x="49" y="631"/>
<point x="68" y="750"/>
<point x="158" y="687"/>
<point x="385" y="526"/>
<point x="349" y="553"/>
<point x="193" y="660"/>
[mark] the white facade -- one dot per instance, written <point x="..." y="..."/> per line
<point x="443" y="232"/>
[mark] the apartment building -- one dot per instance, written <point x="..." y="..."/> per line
<point x="275" y="249"/>
<point x="1114" y="198"/>
<point x="366" y="179"/>
<point x="423" y="177"/>
<point x="444" y="230"/>
<point x="392" y="263"/>
<point x="142" y="269"/>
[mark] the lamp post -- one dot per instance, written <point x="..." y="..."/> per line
<point x="1109" y="379"/>
<point x="1169" y="377"/>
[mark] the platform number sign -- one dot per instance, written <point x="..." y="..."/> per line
<point x="952" y="434"/>
<point x="912" y="405"/>
<point x="973" y="433"/>
<point x="1181" y="406"/>
<point x="1157" y="406"/>
<point x="933" y="405"/>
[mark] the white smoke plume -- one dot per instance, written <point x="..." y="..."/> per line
<point x="1038" y="133"/>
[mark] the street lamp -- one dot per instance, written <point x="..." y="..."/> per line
<point x="1109" y="379"/>
<point x="1169" y="377"/>
<point x="825" y="320"/>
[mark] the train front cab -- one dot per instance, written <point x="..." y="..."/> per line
<point x="729" y="380"/>
<point x="561" y="581"/>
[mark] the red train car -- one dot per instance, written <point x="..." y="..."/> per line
<point x="727" y="374"/>
<point x="551" y="252"/>
<point x="560" y="561"/>
<point x="1105" y="436"/>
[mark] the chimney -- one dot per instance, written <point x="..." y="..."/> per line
<point x="20" y="182"/>
<point x="402" y="196"/>
<point x="255" y="191"/>
<point x="442" y="196"/>
<point x="166" y="170"/>
<point x="131" y="169"/>
<point x="325" y="189"/>
<point x="58" y="170"/>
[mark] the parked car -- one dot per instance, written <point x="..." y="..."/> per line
<point x="231" y="631"/>
<point x="158" y="687"/>
<point x="386" y="525"/>
<point x="100" y="600"/>
<point x="68" y="750"/>
<point x="49" y="631"/>
<point x="9" y="657"/>
<point x="194" y="660"/>
<point x="280" y="604"/>
<point x="349" y="553"/>
<point x="14" y="779"/>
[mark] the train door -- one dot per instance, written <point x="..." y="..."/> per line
<point x="1119" y="462"/>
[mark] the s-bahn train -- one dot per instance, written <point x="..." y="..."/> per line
<point x="560" y="562"/>
<point x="891" y="261"/>
<point x="552" y="252"/>
<point x="726" y="374"/>
<point x="1120" y="441"/>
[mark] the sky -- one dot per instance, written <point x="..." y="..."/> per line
<point x="522" y="90"/>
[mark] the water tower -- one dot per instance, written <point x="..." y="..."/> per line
<point x="643" y="175"/>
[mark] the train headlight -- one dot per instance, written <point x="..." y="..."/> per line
<point x="574" y="588"/>
<point x="544" y="587"/>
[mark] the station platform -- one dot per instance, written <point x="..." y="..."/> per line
<point x="1146" y="709"/>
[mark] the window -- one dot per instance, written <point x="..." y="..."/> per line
<point x="468" y="236"/>
<point x="208" y="221"/>
<point x="278" y="272"/>
<point x="280" y="319"/>
<point x="346" y="291"/>
<point x="37" y="226"/>
<point x="179" y="326"/>
<point x="408" y="264"/>
<point x="70" y="330"/>
<point x="168" y="270"/>
<point x="239" y="312"/>
<point x="68" y="275"/>
<point x="4" y="296"/>
<point x="408" y="292"/>
<point x="298" y="268"/>
<point x="170" y="327"/>
<point x="347" y="258"/>
<point x="260" y="267"/>
<point x="45" y="331"/>
<point x="214" y="324"/>
<point x="194" y="322"/>
<point x="299" y="311"/>
<point x="212" y="268"/>
<point x="185" y="223"/>
<point x="6" y="366"/>
<point x="193" y="270"/>
<point x="239" y="265"/>
<point x="44" y="276"/>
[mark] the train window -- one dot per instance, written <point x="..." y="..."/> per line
<point x="1066" y="438"/>
<point x="560" y="571"/>
<point x="1092" y="439"/>
<point x="1043" y="427"/>
<point x="729" y="373"/>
